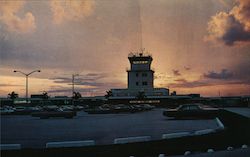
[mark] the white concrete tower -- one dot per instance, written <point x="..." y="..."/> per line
<point x="140" y="75"/>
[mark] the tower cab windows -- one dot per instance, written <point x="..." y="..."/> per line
<point x="140" y="62"/>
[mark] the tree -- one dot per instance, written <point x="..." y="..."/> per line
<point x="45" y="95"/>
<point x="141" y="95"/>
<point x="108" y="94"/>
<point x="12" y="95"/>
<point x="76" y="95"/>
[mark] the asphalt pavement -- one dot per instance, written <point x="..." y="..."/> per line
<point x="32" y="132"/>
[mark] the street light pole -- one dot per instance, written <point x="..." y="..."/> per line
<point x="27" y="79"/>
<point x="27" y="89"/>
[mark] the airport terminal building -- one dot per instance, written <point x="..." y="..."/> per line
<point x="140" y="78"/>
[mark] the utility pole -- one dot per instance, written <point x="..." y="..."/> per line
<point x="73" y="86"/>
<point x="73" y="83"/>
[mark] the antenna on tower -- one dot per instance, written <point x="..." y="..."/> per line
<point x="139" y="26"/>
<point x="142" y="50"/>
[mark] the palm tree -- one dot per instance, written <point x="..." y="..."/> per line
<point x="13" y="95"/>
<point x="45" y="95"/>
<point x="108" y="94"/>
<point x="76" y="95"/>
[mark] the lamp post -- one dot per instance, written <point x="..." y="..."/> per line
<point x="27" y="76"/>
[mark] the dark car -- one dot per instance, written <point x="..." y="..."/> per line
<point x="46" y="115"/>
<point x="191" y="111"/>
<point x="54" y="113"/>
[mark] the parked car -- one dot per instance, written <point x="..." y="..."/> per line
<point x="46" y="115"/>
<point x="99" y="110"/>
<point x="21" y="110"/>
<point x="147" y="107"/>
<point x="67" y="108"/>
<point x="191" y="111"/>
<point x="56" y="112"/>
<point x="6" y="111"/>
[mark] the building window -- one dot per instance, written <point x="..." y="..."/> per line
<point x="137" y="83"/>
<point x="137" y="74"/>
<point x="144" y="74"/>
<point x="144" y="83"/>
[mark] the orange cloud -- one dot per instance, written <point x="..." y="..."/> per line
<point x="9" y="17"/>
<point x="231" y="27"/>
<point x="242" y="13"/>
<point x="67" y="10"/>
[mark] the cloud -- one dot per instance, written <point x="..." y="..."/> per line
<point x="86" y="84"/>
<point x="231" y="27"/>
<point x="187" y="68"/>
<point x="205" y="83"/>
<point x="62" y="91"/>
<point x="176" y="72"/>
<point x="224" y="74"/>
<point x="224" y="3"/>
<point x="183" y="83"/>
<point x="78" y="81"/>
<point x="91" y="80"/>
<point x="69" y="90"/>
<point x="83" y="79"/>
<point x="224" y="77"/>
<point x="71" y="10"/>
<point x="9" y="85"/>
<point x="181" y="80"/>
<point x="9" y="17"/>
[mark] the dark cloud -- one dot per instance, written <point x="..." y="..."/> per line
<point x="62" y="91"/>
<point x="223" y="74"/>
<point x="235" y="33"/>
<point x="176" y="72"/>
<point x="187" y="68"/>
<point x="233" y="26"/>
<point x="89" y="79"/>
<point x="9" y="85"/>
<point x="181" y="80"/>
<point x="69" y="90"/>
<point x="96" y="88"/>
<point x="240" y="76"/>
<point x="92" y="80"/>
<point x="182" y="83"/>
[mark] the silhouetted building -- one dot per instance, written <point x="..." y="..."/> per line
<point x="140" y="78"/>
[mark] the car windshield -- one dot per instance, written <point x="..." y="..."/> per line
<point x="194" y="107"/>
<point x="184" y="108"/>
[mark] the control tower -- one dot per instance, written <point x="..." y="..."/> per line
<point x="140" y="75"/>
<point x="140" y="78"/>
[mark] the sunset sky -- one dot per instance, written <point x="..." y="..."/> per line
<point x="198" y="46"/>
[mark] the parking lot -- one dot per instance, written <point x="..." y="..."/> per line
<point x="103" y="128"/>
